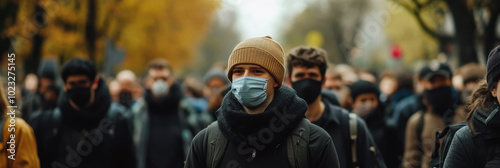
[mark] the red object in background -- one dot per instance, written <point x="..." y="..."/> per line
<point x="396" y="52"/>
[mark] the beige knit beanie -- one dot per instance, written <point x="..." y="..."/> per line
<point x="263" y="51"/>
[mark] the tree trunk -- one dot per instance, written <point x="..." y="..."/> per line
<point x="31" y="62"/>
<point x="489" y="35"/>
<point x="9" y="11"/>
<point x="90" y="32"/>
<point x="465" y="29"/>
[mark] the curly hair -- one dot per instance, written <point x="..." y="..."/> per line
<point x="308" y="57"/>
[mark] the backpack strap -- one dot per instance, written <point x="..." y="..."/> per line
<point x="216" y="146"/>
<point x="437" y="160"/>
<point x="49" y="128"/>
<point x="54" y="130"/>
<point x="186" y="133"/>
<point x="353" y="130"/>
<point x="420" y="126"/>
<point x="297" y="145"/>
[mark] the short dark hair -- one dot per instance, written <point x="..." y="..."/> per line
<point x="157" y="64"/>
<point x="79" y="66"/>
<point x="405" y="80"/>
<point x="308" y="57"/>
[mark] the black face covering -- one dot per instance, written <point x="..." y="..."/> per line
<point x="126" y="98"/>
<point x="47" y="104"/>
<point x="441" y="99"/>
<point x="307" y="89"/>
<point x="79" y="95"/>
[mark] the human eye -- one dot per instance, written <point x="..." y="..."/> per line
<point x="258" y="71"/>
<point x="237" y="71"/>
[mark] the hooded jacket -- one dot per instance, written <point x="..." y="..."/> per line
<point x="34" y="102"/>
<point x="477" y="150"/>
<point x="97" y="136"/>
<point x="245" y="134"/>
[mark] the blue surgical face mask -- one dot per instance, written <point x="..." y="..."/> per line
<point x="250" y="91"/>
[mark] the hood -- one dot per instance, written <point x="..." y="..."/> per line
<point x="486" y="121"/>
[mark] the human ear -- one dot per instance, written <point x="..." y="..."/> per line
<point x="494" y="92"/>
<point x="95" y="83"/>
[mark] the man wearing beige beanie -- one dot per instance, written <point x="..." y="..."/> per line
<point x="260" y="123"/>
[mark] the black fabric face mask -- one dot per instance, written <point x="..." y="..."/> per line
<point x="48" y="104"/>
<point x="441" y="99"/>
<point x="126" y="98"/>
<point x="79" y="95"/>
<point x="307" y="89"/>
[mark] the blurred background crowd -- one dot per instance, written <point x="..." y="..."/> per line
<point x="402" y="51"/>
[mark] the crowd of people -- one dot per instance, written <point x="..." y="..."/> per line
<point x="263" y="108"/>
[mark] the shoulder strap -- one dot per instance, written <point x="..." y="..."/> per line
<point x="420" y="126"/>
<point x="353" y="129"/>
<point x="50" y="129"/>
<point x="55" y="126"/>
<point x="297" y="145"/>
<point x="435" y="159"/>
<point x="187" y="135"/>
<point x="216" y="145"/>
<point x="345" y="135"/>
<point x="448" y="133"/>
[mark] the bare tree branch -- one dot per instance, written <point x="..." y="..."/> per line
<point x="416" y="13"/>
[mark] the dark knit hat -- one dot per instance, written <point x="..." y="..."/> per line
<point x="362" y="87"/>
<point x="262" y="51"/>
<point x="48" y="69"/>
<point x="493" y="67"/>
<point x="435" y="68"/>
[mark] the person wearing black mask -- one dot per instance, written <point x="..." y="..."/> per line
<point x="439" y="100"/>
<point x="127" y="87"/>
<point x="161" y="126"/>
<point x="306" y="72"/>
<point x="87" y="129"/>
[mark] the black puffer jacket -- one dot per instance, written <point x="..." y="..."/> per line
<point x="477" y="150"/>
<point x="97" y="136"/>
<point x="241" y="129"/>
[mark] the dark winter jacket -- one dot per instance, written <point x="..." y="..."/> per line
<point x="243" y="130"/>
<point x="477" y="150"/>
<point x="34" y="102"/>
<point x="161" y="130"/>
<point x="379" y="130"/>
<point x="396" y="123"/>
<point x="335" y="120"/>
<point x="97" y="136"/>
<point x="329" y="96"/>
